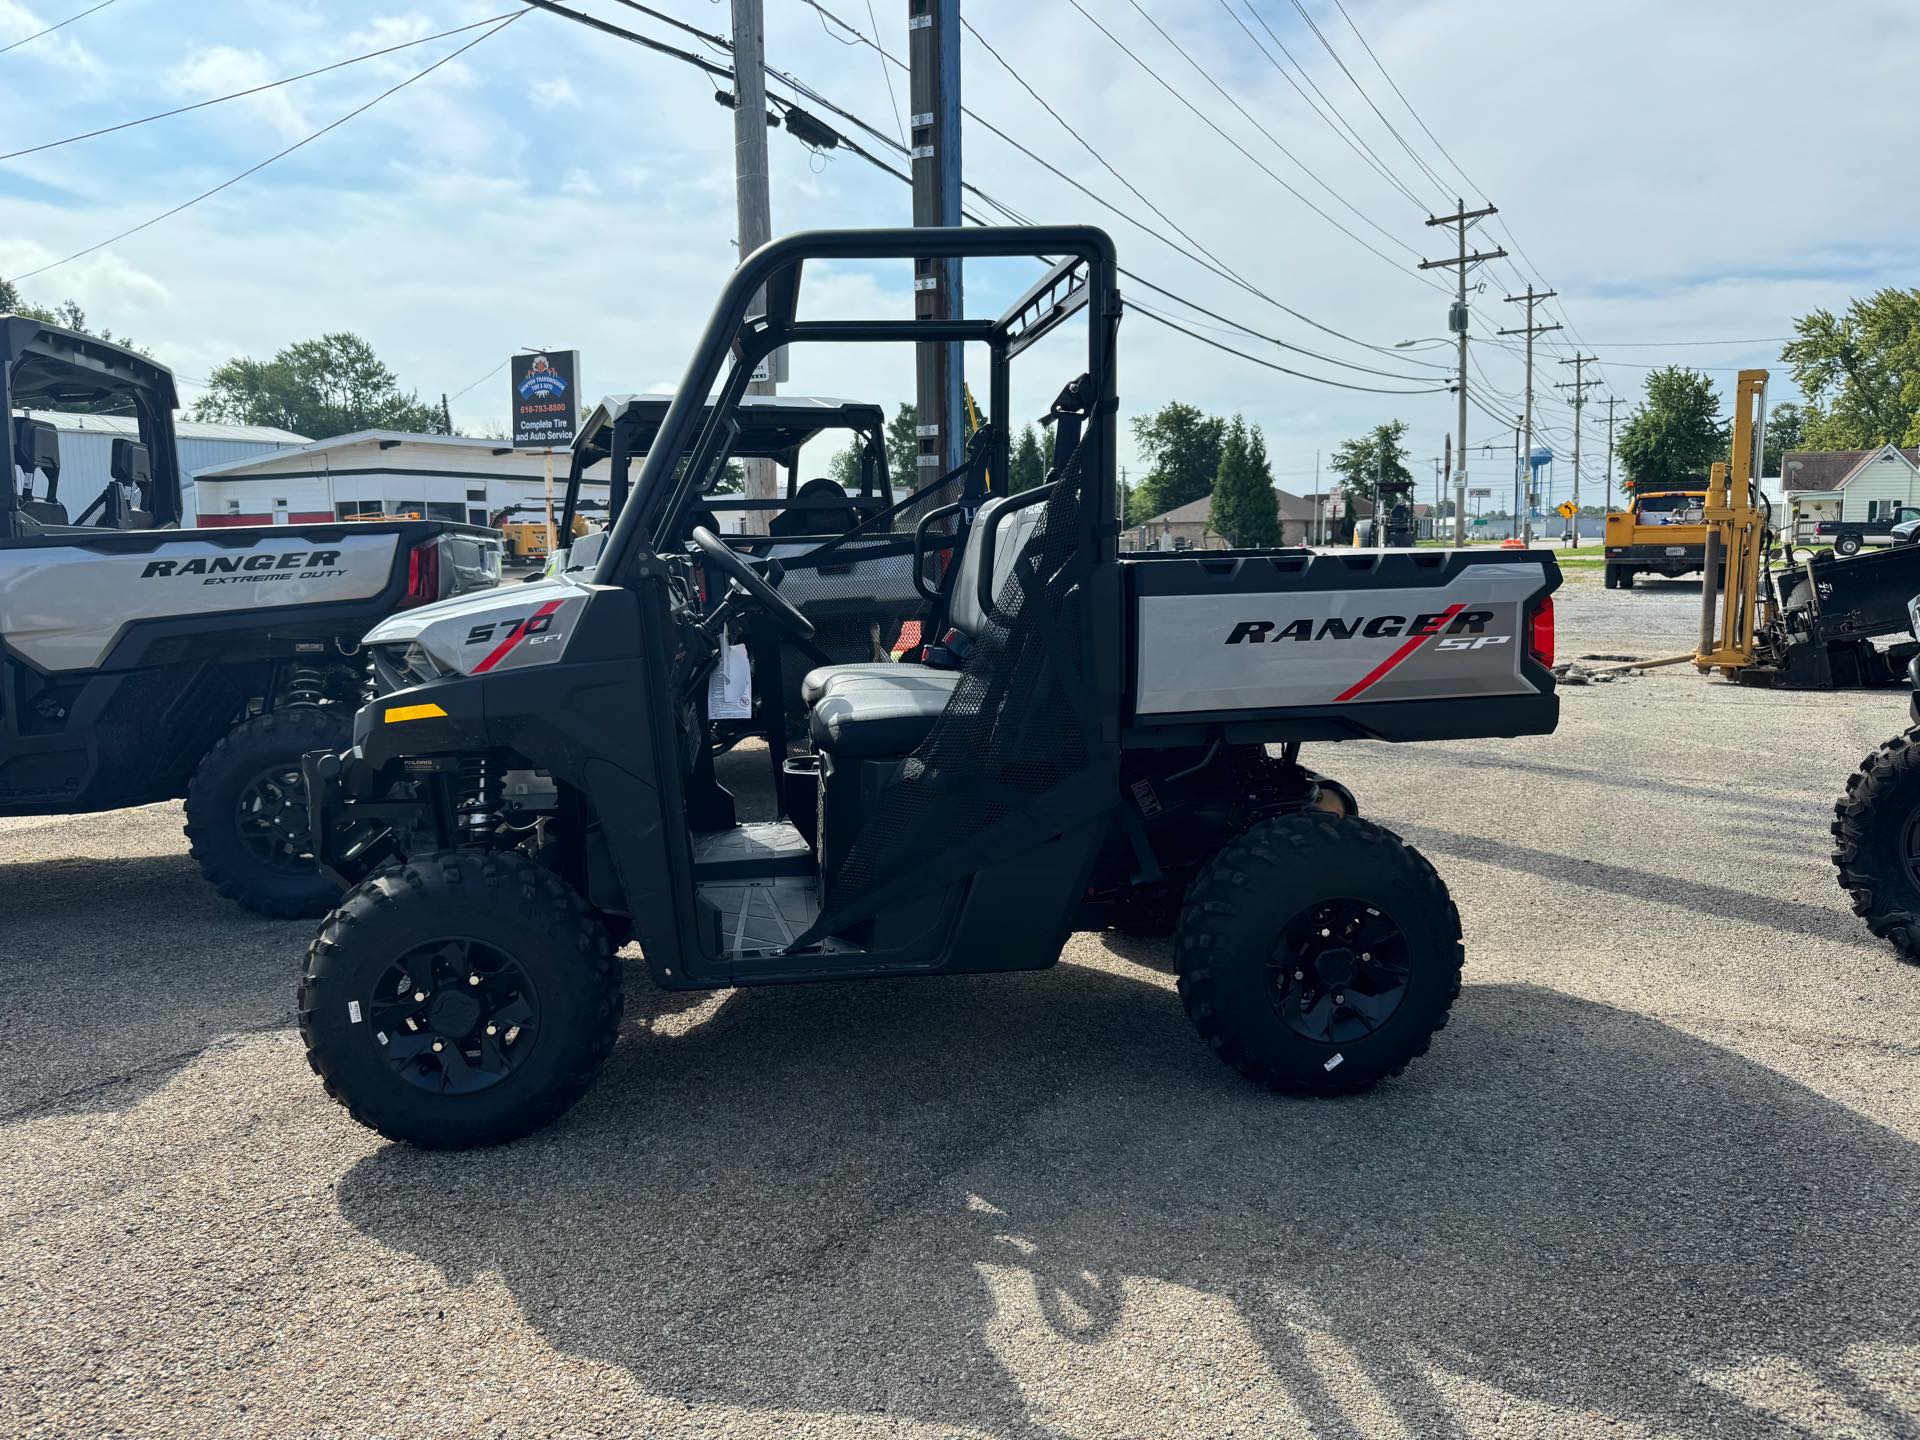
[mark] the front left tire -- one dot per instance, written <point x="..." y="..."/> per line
<point x="467" y="998"/>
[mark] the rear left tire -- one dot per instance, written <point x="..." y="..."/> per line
<point x="247" y="812"/>
<point x="1319" y="955"/>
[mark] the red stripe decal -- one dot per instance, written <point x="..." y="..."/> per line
<point x="519" y="634"/>
<point x="1397" y="656"/>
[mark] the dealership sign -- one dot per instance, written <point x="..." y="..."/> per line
<point x="546" y="399"/>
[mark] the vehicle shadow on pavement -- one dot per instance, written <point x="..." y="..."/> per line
<point x="119" y="971"/>
<point x="1797" y="918"/>
<point x="1037" y="1206"/>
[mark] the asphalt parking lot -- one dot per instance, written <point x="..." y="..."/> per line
<point x="1656" y="1179"/>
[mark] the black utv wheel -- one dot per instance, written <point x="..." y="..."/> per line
<point x="247" y="812"/>
<point x="1318" y="954"/>
<point x="465" y="999"/>
<point x="1876" y="843"/>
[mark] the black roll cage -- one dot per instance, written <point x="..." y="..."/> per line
<point x="47" y="367"/>
<point x="704" y="432"/>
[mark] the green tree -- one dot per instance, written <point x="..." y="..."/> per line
<point x="1246" y="509"/>
<point x="1375" y="466"/>
<point x="1027" y="468"/>
<point x="1675" y="433"/>
<point x="903" y="447"/>
<point x="330" y="386"/>
<point x="1860" y="372"/>
<point x="1786" y="430"/>
<point x="1181" y="446"/>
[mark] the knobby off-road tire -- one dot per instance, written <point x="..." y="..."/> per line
<point x="1876" y="828"/>
<point x="247" y="812"/>
<point x="1337" y="913"/>
<point x="490" y="940"/>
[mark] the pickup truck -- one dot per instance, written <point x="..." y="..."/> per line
<point x="140" y="661"/>
<point x="1849" y="537"/>
<point x="1663" y="533"/>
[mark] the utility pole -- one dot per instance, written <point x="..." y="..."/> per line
<point x="754" y="207"/>
<point x="1531" y="298"/>
<point x="933" y="55"/>
<point x="1519" y="482"/>
<point x="1579" y="388"/>
<point x="1317" y="526"/>
<point x="1612" y="400"/>
<point x="1457" y="322"/>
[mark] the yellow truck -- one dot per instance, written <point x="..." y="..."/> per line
<point x="1660" y="533"/>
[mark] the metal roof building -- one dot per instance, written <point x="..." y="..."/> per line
<point x="86" y="446"/>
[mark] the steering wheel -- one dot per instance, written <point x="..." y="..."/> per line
<point x="779" y="609"/>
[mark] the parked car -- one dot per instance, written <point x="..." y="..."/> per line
<point x="1849" y="537"/>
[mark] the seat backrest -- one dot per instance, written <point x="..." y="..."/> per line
<point x="36" y="446"/>
<point x="1010" y="531"/>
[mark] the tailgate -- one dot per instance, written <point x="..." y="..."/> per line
<point x="1395" y="645"/>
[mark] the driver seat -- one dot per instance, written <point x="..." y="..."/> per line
<point x="885" y="708"/>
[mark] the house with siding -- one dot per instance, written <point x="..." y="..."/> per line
<point x="1848" y="484"/>
<point x="1190" y="526"/>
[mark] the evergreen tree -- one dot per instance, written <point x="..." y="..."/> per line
<point x="1245" y="508"/>
<point x="1026" y="468"/>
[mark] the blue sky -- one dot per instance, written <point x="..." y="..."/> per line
<point x="1674" y="176"/>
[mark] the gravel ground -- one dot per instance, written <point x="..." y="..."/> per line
<point x="1657" y="1178"/>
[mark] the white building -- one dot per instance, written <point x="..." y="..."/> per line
<point x="86" y="447"/>
<point x="1860" y="485"/>
<point x="438" y="477"/>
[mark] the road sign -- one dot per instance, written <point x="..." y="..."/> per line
<point x="1567" y="512"/>
<point x="1480" y="520"/>
<point x="1479" y="494"/>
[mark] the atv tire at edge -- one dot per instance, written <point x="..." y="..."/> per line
<point x="1868" y="828"/>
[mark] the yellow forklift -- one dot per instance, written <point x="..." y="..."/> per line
<point x="1818" y="622"/>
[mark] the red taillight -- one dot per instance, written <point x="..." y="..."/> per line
<point x="423" y="575"/>
<point x="1540" y="633"/>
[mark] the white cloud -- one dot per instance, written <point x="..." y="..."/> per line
<point x="552" y="93"/>
<point x="59" y="49"/>
<point x="223" y="70"/>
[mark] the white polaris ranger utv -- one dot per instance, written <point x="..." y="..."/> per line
<point x="1090" y="727"/>
<point x="142" y="662"/>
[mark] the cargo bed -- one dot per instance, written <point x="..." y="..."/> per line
<point x="1294" y="645"/>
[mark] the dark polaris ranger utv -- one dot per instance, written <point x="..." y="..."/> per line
<point x="140" y="661"/>
<point x="1090" y="726"/>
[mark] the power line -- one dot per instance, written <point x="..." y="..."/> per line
<point x="1333" y="121"/>
<point x="1327" y="45"/>
<point x="861" y="38"/>
<point x="254" y="90"/>
<point x="1403" y="99"/>
<point x="1207" y="75"/>
<point x="886" y="74"/>
<point x="278" y="155"/>
<point x="1254" y="359"/>
<point x="1087" y="145"/>
<point x="61" y="25"/>
<point x="801" y="88"/>
<point x="1205" y="119"/>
